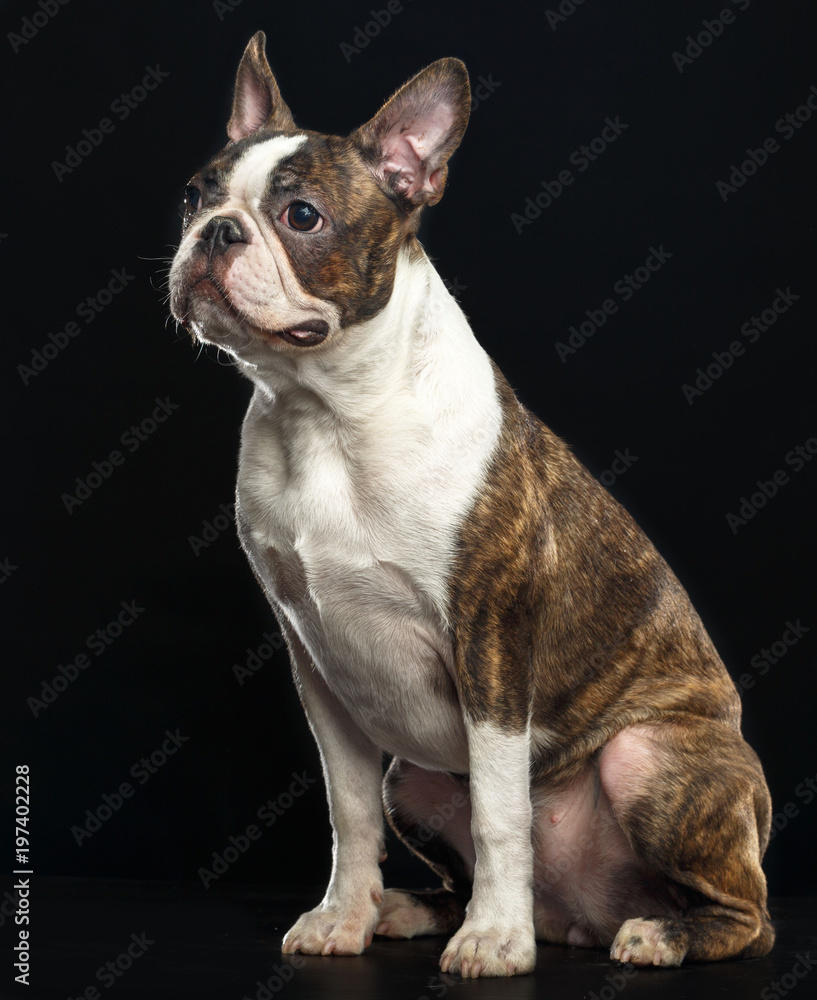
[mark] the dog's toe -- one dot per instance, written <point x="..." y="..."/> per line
<point x="476" y="952"/>
<point x="327" y="931"/>
<point x="645" y="941"/>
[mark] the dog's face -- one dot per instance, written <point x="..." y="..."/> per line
<point x="290" y="236"/>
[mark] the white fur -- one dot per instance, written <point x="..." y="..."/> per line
<point x="497" y="937"/>
<point x="345" y="919"/>
<point x="358" y="465"/>
<point x="249" y="179"/>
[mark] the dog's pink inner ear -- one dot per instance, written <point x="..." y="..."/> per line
<point x="409" y="141"/>
<point x="412" y="156"/>
<point x="251" y="107"/>
<point x="257" y="100"/>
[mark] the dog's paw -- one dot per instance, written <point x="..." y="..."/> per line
<point x="402" y="916"/>
<point x="331" y="931"/>
<point x="411" y="914"/>
<point x="643" y="941"/>
<point x="491" y="951"/>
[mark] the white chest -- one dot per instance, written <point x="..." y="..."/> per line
<point x="351" y="501"/>
<point x="359" y="569"/>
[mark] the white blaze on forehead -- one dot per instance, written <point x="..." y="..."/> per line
<point x="249" y="179"/>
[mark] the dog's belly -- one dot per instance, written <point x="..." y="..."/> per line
<point x="388" y="675"/>
<point x="587" y="879"/>
<point x="377" y="644"/>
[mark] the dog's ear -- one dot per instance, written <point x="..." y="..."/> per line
<point x="257" y="100"/>
<point x="408" y="142"/>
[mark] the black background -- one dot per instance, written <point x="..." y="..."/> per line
<point x="654" y="186"/>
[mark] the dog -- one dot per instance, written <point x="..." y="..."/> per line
<point x="456" y="591"/>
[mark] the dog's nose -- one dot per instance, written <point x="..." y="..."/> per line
<point x="221" y="232"/>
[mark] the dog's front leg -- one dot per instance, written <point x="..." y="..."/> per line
<point x="344" y="922"/>
<point x="497" y="937"/>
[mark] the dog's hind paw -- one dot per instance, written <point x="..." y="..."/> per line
<point x="408" y="914"/>
<point x="646" y="941"/>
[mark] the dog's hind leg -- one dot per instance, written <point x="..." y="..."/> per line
<point x="430" y="811"/>
<point x="691" y="798"/>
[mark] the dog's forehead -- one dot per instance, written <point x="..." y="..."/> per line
<point x="251" y="172"/>
<point x="244" y="171"/>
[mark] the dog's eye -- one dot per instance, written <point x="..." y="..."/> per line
<point x="192" y="198"/>
<point x="302" y="216"/>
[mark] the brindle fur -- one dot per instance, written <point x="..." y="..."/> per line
<point x="563" y="611"/>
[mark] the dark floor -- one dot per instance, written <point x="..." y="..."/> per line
<point x="223" y="943"/>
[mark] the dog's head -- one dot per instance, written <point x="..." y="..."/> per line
<point x="291" y="236"/>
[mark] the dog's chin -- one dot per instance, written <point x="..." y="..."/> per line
<point x="214" y="320"/>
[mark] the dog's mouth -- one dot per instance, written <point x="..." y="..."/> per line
<point x="304" y="334"/>
<point x="311" y="331"/>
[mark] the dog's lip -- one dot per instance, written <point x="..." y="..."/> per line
<point x="310" y="331"/>
<point x="303" y="334"/>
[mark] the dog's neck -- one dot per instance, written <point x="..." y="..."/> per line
<point x="377" y="360"/>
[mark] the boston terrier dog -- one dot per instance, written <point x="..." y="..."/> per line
<point x="455" y="589"/>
